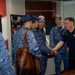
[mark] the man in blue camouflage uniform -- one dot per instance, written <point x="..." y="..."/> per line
<point x="42" y="43"/>
<point x="35" y="29"/>
<point x="55" y="36"/>
<point x="5" y="64"/>
<point x="18" y="39"/>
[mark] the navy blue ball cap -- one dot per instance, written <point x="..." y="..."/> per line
<point x="26" y="18"/>
<point x="41" y="18"/>
<point x="34" y="18"/>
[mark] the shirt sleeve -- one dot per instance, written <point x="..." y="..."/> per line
<point x="51" y="38"/>
<point x="44" y="38"/>
<point x="44" y="49"/>
<point x="64" y="37"/>
<point x="33" y="45"/>
<point x="17" y="42"/>
<point x="2" y="43"/>
<point x="3" y="49"/>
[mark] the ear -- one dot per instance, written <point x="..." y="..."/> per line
<point x="27" y="23"/>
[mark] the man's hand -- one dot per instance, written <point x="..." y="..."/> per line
<point x="54" y="52"/>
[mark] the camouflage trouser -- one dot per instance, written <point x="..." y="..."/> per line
<point x="57" y="59"/>
<point x="44" y="64"/>
<point x="6" y="67"/>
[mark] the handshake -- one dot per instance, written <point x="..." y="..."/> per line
<point x="54" y="53"/>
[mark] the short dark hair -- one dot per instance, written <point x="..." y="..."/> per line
<point x="70" y="19"/>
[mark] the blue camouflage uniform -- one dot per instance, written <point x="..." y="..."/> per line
<point x="55" y="36"/>
<point x="5" y="64"/>
<point x="18" y="42"/>
<point x="44" y="49"/>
